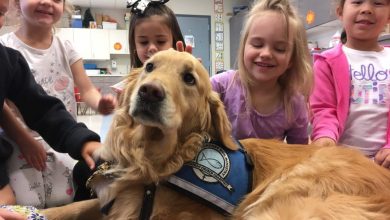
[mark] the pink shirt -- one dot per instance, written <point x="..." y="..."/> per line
<point x="331" y="95"/>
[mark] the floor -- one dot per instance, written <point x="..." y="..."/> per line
<point x="97" y="123"/>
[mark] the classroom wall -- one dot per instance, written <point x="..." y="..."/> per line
<point x="195" y="7"/>
<point x="206" y="7"/>
<point x="184" y="7"/>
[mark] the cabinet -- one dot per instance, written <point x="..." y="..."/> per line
<point x="118" y="42"/>
<point x="118" y="4"/>
<point x="103" y="82"/>
<point x="65" y="34"/>
<point x="90" y="43"/>
<point x="99" y="47"/>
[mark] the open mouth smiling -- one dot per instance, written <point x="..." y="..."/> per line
<point x="44" y="12"/>
<point x="266" y="65"/>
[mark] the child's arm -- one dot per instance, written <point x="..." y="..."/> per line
<point x="32" y="150"/>
<point x="9" y="215"/>
<point x="298" y="130"/>
<point x="104" y="105"/>
<point x="323" y="103"/>
<point x="43" y="113"/>
<point x="324" y="142"/>
<point x="7" y="196"/>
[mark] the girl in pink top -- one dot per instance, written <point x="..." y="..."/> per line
<point x="266" y="97"/>
<point x="350" y="101"/>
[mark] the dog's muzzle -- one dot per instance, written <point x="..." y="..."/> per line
<point x="149" y="102"/>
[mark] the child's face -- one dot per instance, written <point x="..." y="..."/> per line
<point x="364" y="19"/>
<point x="41" y="12"/>
<point x="3" y="10"/>
<point x="152" y="35"/>
<point x="267" y="50"/>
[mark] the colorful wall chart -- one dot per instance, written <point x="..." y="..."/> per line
<point x="219" y="35"/>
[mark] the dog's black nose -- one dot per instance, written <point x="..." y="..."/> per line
<point x="151" y="92"/>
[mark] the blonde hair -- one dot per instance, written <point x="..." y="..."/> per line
<point x="68" y="9"/>
<point x="298" y="79"/>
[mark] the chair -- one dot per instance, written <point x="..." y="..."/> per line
<point x="82" y="107"/>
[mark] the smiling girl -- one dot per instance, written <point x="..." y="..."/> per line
<point x="266" y="96"/>
<point x="350" y="101"/>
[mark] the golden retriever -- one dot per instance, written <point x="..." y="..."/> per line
<point x="169" y="109"/>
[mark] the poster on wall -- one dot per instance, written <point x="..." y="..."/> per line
<point x="219" y="55"/>
<point x="219" y="46"/>
<point x="219" y="35"/>
<point x="189" y="40"/>
<point x="218" y="6"/>
<point x="218" y="27"/>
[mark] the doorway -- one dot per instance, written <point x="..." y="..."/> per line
<point x="196" y="29"/>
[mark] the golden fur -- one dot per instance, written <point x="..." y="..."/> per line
<point x="149" y="142"/>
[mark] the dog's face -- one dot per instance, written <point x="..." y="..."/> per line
<point x="171" y="87"/>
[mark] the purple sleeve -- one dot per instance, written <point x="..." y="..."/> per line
<point x="298" y="132"/>
<point x="220" y="82"/>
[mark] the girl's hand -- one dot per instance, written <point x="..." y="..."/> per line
<point x="188" y="49"/>
<point x="180" y="47"/>
<point x="8" y="215"/>
<point x="34" y="153"/>
<point x="107" y="104"/>
<point x="87" y="152"/>
<point x="324" y="142"/>
<point x="382" y="158"/>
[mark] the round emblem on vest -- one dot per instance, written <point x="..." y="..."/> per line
<point x="212" y="164"/>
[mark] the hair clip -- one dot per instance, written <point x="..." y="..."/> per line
<point x="139" y="6"/>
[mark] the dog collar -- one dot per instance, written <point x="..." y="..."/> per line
<point x="147" y="203"/>
<point x="149" y="191"/>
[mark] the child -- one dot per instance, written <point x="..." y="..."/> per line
<point x="58" y="68"/>
<point x="43" y="113"/>
<point x="350" y="101"/>
<point x="266" y="96"/>
<point x="152" y="29"/>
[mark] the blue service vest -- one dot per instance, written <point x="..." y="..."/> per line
<point x="217" y="176"/>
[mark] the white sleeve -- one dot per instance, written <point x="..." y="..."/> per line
<point x="72" y="54"/>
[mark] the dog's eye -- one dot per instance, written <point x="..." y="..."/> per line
<point x="189" y="78"/>
<point x="149" y="67"/>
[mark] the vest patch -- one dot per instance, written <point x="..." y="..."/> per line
<point x="217" y="176"/>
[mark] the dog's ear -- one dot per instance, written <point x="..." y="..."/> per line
<point x="220" y="121"/>
<point x="121" y="121"/>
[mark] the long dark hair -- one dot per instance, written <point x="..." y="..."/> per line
<point x="170" y="21"/>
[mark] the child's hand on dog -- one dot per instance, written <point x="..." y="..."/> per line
<point x="8" y="215"/>
<point x="87" y="152"/>
<point x="382" y="158"/>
